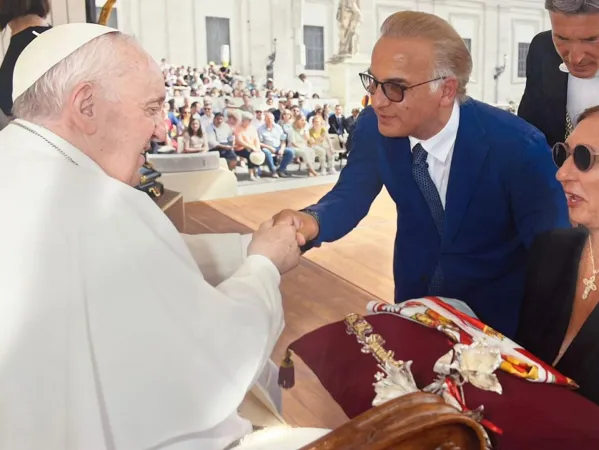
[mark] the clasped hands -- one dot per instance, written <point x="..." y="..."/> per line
<point x="280" y="238"/>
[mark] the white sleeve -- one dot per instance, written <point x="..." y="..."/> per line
<point x="218" y="255"/>
<point x="174" y="355"/>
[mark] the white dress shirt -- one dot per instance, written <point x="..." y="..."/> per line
<point x="583" y="93"/>
<point x="440" y="152"/>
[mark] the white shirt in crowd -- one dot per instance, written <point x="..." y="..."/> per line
<point x="206" y="121"/>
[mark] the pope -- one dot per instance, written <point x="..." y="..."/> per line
<point x="117" y="332"/>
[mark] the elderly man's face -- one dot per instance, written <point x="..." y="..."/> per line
<point x="407" y="62"/>
<point x="582" y="188"/>
<point x="132" y="120"/>
<point x="576" y="39"/>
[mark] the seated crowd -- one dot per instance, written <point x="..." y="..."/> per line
<point x="279" y="135"/>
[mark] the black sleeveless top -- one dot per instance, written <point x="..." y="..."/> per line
<point x="548" y="301"/>
<point x="18" y="42"/>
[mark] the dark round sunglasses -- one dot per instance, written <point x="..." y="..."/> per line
<point x="584" y="155"/>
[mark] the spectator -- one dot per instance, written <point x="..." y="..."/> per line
<point x="273" y="142"/>
<point x="246" y="141"/>
<point x="351" y="121"/>
<point x="194" y="139"/>
<point x="207" y="119"/>
<point x="185" y="116"/>
<point x="258" y="119"/>
<point x="321" y="143"/>
<point x="247" y="104"/>
<point x="220" y="139"/>
<point x="298" y="140"/>
<point x="339" y="126"/>
<point x="302" y="106"/>
<point x="304" y="87"/>
<point x="279" y="112"/>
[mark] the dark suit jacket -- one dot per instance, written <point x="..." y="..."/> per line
<point x="544" y="101"/>
<point x="502" y="192"/>
<point x="547" y="306"/>
<point x="334" y="127"/>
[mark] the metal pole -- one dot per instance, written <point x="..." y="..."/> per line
<point x="90" y="11"/>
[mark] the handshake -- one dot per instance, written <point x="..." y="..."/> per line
<point x="280" y="238"/>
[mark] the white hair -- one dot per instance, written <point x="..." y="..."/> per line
<point x="452" y="58"/>
<point x="96" y="62"/>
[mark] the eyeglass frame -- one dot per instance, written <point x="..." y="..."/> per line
<point x="395" y="83"/>
<point x="570" y="152"/>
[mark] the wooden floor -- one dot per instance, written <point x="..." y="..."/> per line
<point x="364" y="256"/>
<point x="329" y="283"/>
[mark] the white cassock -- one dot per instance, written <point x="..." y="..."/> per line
<point x="110" y="336"/>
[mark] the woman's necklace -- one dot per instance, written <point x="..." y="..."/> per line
<point x="589" y="283"/>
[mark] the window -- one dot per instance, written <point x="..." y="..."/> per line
<point x="217" y="35"/>
<point x="314" y="43"/>
<point x="522" y="54"/>
<point x="112" y="20"/>
<point x="468" y="43"/>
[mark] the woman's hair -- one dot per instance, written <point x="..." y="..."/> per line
<point x="13" y="9"/>
<point x="192" y="132"/>
<point x="316" y="117"/>
<point x="572" y="6"/>
<point x="452" y="58"/>
<point x="588" y="113"/>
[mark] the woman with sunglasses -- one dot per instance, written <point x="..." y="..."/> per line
<point x="559" y="320"/>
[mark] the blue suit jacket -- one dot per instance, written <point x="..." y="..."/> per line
<point x="502" y="192"/>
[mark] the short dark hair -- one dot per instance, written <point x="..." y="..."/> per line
<point x="572" y="6"/>
<point x="13" y="9"/>
<point x="216" y="115"/>
<point x="588" y="113"/>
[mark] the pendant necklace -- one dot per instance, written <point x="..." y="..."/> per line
<point x="589" y="283"/>
<point x="51" y="144"/>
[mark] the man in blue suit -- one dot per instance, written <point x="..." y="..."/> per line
<point x="473" y="184"/>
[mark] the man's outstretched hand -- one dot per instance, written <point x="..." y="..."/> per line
<point x="306" y="225"/>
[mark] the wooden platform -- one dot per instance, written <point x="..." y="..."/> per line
<point x="171" y="203"/>
<point x="329" y="283"/>
<point x="364" y="257"/>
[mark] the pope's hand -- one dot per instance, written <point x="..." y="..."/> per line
<point x="305" y="224"/>
<point x="278" y="242"/>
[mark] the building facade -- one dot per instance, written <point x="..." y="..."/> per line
<point x="192" y="32"/>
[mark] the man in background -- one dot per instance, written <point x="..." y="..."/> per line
<point x="561" y="69"/>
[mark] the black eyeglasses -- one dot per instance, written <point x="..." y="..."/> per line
<point x="584" y="155"/>
<point x="393" y="90"/>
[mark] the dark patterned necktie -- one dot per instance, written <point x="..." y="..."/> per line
<point x="426" y="185"/>
<point x="433" y="200"/>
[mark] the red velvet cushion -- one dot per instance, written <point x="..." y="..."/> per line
<point x="531" y="415"/>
